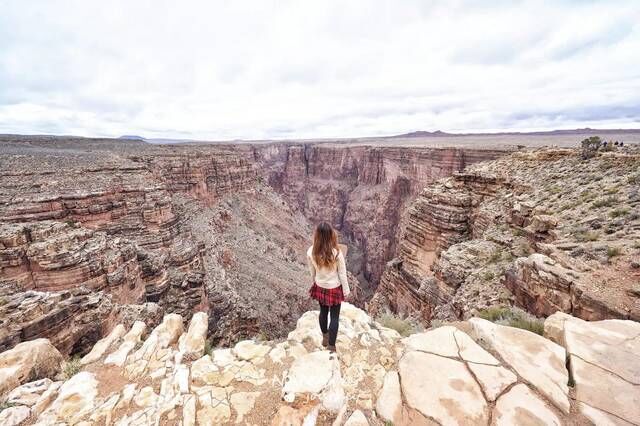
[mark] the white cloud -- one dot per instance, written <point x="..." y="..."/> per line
<point x="268" y="69"/>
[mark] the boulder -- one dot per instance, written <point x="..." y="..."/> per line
<point x="169" y="330"/>
<point x="76" y="399"/>
<point x="318" y="374"/>
<point x="493" y="379"/>
<point x="554" y="327"/>
<point x="205" y="372"/>
<point x="603" y="356"/>
<point x="242" y="403"/>
<point x="389" y="403"/>
<point x="192" y="343"/>
<point x="14" y="416"/>
<point x="29" y="393"/>
<point x="28" y="361"/>
<point x="102" y="345"/>
<point x="249" y="350"/>
<point x="129" y="342"/>
<point x="448" y="341"/>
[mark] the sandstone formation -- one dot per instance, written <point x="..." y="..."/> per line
<point x="489" y="374"/>
<point x="544" y="230"/>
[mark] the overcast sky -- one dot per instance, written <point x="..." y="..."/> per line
<point x="294" y="69"/>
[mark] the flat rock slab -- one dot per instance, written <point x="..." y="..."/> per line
<point x="613" y="345"/>
<point x="605" y="391"/>
<point x="605" y="366"/>
<point x="310" y="373"/>
<point x="521" y="407"/>
<point x="493" y="379"/>
<point x="537" y="360"/>
<point x="442" y="388"/>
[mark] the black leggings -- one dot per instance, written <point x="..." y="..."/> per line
<point x="335" y="321"/>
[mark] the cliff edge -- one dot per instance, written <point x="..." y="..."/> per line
<point x="471" y="372"/>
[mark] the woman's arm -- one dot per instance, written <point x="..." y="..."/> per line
<point x="342" y="275"/>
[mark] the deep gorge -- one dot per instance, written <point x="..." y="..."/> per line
<point x="138" y="230"/>
<point x="361" y="190"/>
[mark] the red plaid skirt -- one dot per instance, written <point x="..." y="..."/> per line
<point x="327" y="296"/>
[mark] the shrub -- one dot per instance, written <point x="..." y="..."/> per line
<point x="611" y="191"/>
<point x="494" y="313"/>
<point x="613" y="252"/>
<point x="633" y="179"/>
<point x="513" y="318"/>
<point x="583" y="235"/>
<point x="532" y="325"/>
<point x="618" y="212"/>
<point x="605" y="202"/>
<point x="5" y="405"/>
<point x="523" y="248"/>
<point x="590" y="146"/>
<point x="488" y="275"/>
<point x="208" y="347"/>
<point x="404" y="326"/>
<point x="71" y="368"/>
<point x="496" y="255"/>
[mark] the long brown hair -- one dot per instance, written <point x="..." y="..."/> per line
<point x="325" y="239"/>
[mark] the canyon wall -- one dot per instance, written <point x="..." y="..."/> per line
<point x="542" y="230"/>
<point x="361" y="190"/>
<point x="102" y="223"/>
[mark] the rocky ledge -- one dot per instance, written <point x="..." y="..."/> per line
<point x="472" y="372"/>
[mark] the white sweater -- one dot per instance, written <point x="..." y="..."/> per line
<point x="329" y="277"/>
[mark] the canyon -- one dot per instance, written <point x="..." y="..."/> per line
<point x="104" y="239"/>
<point x="99" y="230"/>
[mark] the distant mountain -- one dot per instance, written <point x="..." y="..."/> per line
<point x="439" y="133"/>
<point x="132" y="137"/>
<point x="424" y="134"/>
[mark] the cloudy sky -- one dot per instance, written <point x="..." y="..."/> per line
<point x="299" y="69"/>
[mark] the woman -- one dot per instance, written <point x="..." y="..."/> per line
<point x="329" y="275"/>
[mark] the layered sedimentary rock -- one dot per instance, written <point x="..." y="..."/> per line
<point x="92" y="229"/>
<point x="361" y="190"/>
<point x="475" y="372"/>
<point x="422" y="277"/>
<point x="543" y="230"/>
